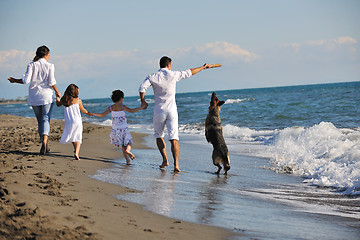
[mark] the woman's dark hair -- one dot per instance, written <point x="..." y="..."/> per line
<point x="41" y="52"/>
<point x="165" y="61"/>
<point x="117" y="95"/>
<point x="71" y="92"/>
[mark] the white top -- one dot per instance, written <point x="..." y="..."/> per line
<point x="118" y="119"/>
<point x="40" y="75"/>
<point x="164" y="86"/>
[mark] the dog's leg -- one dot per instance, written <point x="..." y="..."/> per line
<point x="216" y="160"/>
<point x="226" y="168"/>
<point x="219" y="168"/>
<point x="226" y="164"/>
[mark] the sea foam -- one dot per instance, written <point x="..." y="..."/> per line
<point x="231" y="101"/>
<point x="325" y="155"/>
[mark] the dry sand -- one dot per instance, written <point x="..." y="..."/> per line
<point x="53" y="197"/>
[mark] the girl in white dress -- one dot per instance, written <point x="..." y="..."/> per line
<point x="73" y="123"/>
<point x="120" y="135"/>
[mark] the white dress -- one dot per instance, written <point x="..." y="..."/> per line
<point x="73" y="124"/>
<point x="120" y="134"/>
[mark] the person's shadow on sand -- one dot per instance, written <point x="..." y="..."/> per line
<point x="56" y="154"/>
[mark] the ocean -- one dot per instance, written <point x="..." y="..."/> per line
<point x="295" y="161"/>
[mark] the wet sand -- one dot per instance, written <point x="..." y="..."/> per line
<point x="53" y="197"/>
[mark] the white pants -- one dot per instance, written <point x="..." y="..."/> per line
<point x="168" y="119"/>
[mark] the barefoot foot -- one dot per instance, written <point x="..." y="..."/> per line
<point x="42" y="150"/>
<point x="76" y="156"/>
<point x="164" y="164"/>
<point x="132" y="156"/>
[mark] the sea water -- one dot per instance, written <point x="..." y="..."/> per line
<point x="295" y="161"/>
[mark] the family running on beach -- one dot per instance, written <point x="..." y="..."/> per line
<point x="40" y="75"/>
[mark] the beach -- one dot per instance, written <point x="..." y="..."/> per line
<point x="53" y="197"/>
<point x="294" y="171"/>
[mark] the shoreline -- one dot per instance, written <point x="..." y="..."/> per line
<point x="12" y="102"/>
<point x="53" y="196"/>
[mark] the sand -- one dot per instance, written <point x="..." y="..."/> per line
<point x="53" y="197"/>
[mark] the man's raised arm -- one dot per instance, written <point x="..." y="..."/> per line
<point x="199" y="69"/>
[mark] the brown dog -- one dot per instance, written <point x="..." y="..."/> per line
<point x="213" y="133"/>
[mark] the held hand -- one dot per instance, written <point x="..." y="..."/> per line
<point x="58" y="94"/>
<point x="144" y="104"/>
<point x="89" y="114"/>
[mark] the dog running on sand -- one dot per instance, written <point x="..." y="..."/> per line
<point x="214" y="135"/>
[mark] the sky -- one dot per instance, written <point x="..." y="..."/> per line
<point x="112" y="44"/>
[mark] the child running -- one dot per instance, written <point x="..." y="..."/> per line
<point x="73" y="123"/>
<point x="120" y="135"/>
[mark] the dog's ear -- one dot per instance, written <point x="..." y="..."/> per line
<point x="221" y="103"/>
<point x="213" y="95"/>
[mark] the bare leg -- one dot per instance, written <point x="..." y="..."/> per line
<point x="44" y="145"/>
<point x="126" y="155"/>
<point x="76" y="149"/>
<point x="130" y="154"/>
<point x="46" y="140"/>
<point x="175" y="149"/>
<point x="162" y="148"/>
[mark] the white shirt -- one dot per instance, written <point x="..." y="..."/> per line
<point x="164" y="86"/>
<point x="40" y="75"/>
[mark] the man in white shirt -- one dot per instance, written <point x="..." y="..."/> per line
<point x="163" y="83"/>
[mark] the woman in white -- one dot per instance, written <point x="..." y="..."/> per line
<point x="40" y="75"/>
<point x="73" y="122"/>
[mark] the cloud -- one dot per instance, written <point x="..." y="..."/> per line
<point x="11" y="60"/>
<point x="98" y="73"/>
<point x="337" y="41"/>
<point x="90" y="63"/>
<point x="97" y="64"/>
<point x="220" y="50"/>
<point x="326" y="45"/>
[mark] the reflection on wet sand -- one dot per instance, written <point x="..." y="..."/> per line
<point x="211" y="200"/>
<point x="162" y="186"/>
